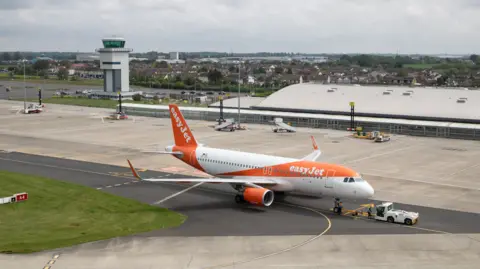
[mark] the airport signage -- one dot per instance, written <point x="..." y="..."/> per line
<point x="18" y="197"/>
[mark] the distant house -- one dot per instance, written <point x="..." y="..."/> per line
<point x="398" y="80"/>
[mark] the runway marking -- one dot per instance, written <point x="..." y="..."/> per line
<point x="386" y="178"/>
<point x="287" y="249"/>
<point x="51" y="261"/>
<point x="178" y="193"/>
<point x="118" y="185"/>
<point x="450" y="176"/>
<point x="64" y="168"/>
<point x="376" y="155"/>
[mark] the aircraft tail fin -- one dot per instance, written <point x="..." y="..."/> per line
<point x="181" y="132"/>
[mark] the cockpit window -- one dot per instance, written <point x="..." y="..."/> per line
<point x="345" y="180"/>
<point x="351" y="180"/>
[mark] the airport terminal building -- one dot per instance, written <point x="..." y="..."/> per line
<point x="436" y="112"/>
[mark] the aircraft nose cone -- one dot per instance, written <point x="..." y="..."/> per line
<point x="370" y="191"/>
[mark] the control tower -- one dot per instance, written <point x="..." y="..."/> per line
<point x="115" y="65"/>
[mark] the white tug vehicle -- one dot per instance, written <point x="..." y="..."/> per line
<point x="386" y="212"/>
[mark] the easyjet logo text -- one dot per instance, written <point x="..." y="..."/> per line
<point x="305" y="170"/>
<point x="183" y="129"/>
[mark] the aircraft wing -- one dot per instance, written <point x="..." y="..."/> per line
<point x="316" y="152"/>
<point x="205" y="180"/>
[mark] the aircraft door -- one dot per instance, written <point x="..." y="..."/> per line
<point x="329" y="180"/>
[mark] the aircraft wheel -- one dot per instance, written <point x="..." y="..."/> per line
<point x="238" y="199"/>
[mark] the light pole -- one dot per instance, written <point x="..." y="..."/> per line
<point x="24" y="89"/>
<point x="238" y="82"/>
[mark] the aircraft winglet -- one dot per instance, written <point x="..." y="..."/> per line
<point x="314" y="143"/>
<point x="316" y="151"/>
<point x="134" y="172"/>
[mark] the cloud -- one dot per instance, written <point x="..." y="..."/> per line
<point x="409" y="26"/>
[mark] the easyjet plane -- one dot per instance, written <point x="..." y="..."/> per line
<point x="257" y="177"/>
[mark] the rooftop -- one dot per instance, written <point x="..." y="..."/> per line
<point x="377" y="101"/>
<point x="245" y="102"/>
<point x="273" y="114"/>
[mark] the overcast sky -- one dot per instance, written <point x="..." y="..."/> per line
<point x="331" y="26"/>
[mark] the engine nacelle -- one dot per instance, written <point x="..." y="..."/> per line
<point x="258" y="196"/>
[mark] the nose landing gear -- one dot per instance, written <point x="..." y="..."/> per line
<point x="338" y="206"/>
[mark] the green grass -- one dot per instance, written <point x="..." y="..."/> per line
<point x="60" y="214"/>
<point x="82" y="101"/>
<point x="39" y="80"/>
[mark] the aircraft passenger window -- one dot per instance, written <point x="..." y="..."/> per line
<point x="345" y="179"/>
<point x="351" y="180"/>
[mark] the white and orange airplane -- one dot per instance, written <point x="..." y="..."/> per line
<point x="257" y="176"/>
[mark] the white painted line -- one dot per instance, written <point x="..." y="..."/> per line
<point x="178" y="193"/>
<point x="387" y="178"/>
<point x="99" y="188"/>
<point x="62" y="168"/>
<point x="109" y="186"/>
<point x="116" y="185"/>
<point x="450" y="176"/>
<point x="287" y="249"/>
<point x="377" y="155"/>
<point x="126" y="183"/>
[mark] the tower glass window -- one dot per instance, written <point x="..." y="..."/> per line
<point x="113" y="43"/>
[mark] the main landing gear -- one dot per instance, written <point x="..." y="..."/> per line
<point x="239" y="199"/>
<point x="338" y="206"/>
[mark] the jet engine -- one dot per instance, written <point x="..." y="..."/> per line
<point x="258" y="196"/>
